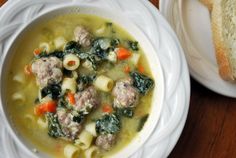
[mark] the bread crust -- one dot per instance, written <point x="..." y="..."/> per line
<point x="222" y="51"/>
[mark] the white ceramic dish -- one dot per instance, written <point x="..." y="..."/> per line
<point x="176" y="101"/>
<point x="191" y="21"/>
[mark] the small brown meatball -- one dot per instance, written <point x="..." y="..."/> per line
<point x="105" y="142"/>
<point x="86" y="100"/>
<point x="47" y="71"/>
<point x="82" y="36"/>
<point x="125" y="95"/>
<point x="68" y="126"/>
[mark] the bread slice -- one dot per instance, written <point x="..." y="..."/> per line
<point x="223" y="21"/>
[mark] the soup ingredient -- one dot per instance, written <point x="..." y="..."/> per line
<point x="71" y="98"/>
<point x="127" y="69"/>
<point x="82" y="36"/>
<point x="69" y="127"/>
<point x="68" y="84"/>
<point x="44" y="46"/>
<point x="107" y="108"/>
<point x="142" y="82"/>
<point x="54" y="128"/>
<point x="59" y="42"/>
<point x="142" y="122"/>
<point x="112" y="57"/>
<point x="125" y="95"/>
<point x="126" y="112"/>
<point x="141" y="68"/>
<point x="37" y="51"/>
<point x="106" y="141"/>
<point x="123" y="53"/>
<point x="71" y="62"/>
<point x="47" y="71"/>
<point x="103" y="83"/>
<point x="108" y="124"/>
<point x="84" y="80"/>
<point x="86" y="100"/>
<point x="133" y="45"/>
<point x="28" y="69"/>
<point x="49" y="106"/>
<point x="52" y="90"/>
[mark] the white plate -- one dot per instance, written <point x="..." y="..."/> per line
<point x="166" y="44"/>
<point x="191" y="21"/>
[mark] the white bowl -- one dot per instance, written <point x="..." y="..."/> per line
<point x="118" y="18"/>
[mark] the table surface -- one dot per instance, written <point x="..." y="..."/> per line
<point x="210" y="130"/>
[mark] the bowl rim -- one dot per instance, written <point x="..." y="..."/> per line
<point x="27" y="25"/>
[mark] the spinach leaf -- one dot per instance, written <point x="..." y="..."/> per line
<point x="133" y="45"/>
<point x="108" y="124"/>
<point x="142" y="82"/>
<point x="126" y="112"/>
<point x="57" y="53"/>
<point x="54" y="128"/>
<point x="78" y="117"/>
<point x="72" y="45"/>
<point x="115" y="42"/>
<point x="142" y="122"/>
<point x="83" y="81"/>
<point x="52" y="90"/>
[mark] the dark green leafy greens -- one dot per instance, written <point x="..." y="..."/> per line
<point x="52" y="90"/>
<point x="126" y="112"/>
<point x="133" y="45"/>
<point x="84" y="80"/>
<point x="54" y="128"/>
<point x="142" y="122"/>
<point x="142" y="82"/>
<point x="108" y="124"/>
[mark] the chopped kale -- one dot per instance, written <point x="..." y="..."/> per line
<point x="78" y="118"/>
<point x="108" y="124"/>
<point x="72" y="45"/>
<point x="142" y="82"/>
<point x="142" y="122"/>
<point x="84" y="80"/>
<point x="54" y="128"/>
<point x="115" y="42"/>
<point x="57" y="53"/>
<point x="52" y="90"/>
<point x="133" y="45"/>
<point x="36" y="101"/>
<point x="126" y="112"/>
<point x="67" y="73"/>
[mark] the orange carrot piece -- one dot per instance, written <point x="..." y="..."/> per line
<point x="107" y="108"/>
<point x="71" y="98"/>
<point x="28" y="69"/>
<point x="141" y="68"/>
<point x="123" y="53"/>
<point x="49" y="106"/>
<point x="127" y="69"/>
<point x="37" y="51"/>
<point x="71" y="63"/>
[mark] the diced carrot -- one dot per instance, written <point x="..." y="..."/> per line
<point x="45" y="107"/>
<point x="71" y="98"/>
<point x="107" y="108"/>
<point x="28" y="69"/>
<point x="37" y="51"/>
<point x="123" y="53"/>
<point x="141" y="68"/>
<point x="127" y="69"/>
<point x="71" y="63"/>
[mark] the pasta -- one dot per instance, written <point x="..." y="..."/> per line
<point x="91" y="128"/>
<point x="69" y="84"/>
<point x="59" y="42"/>
<point x="42" y="122"/>
<point x="92" y="152"/>
<point x="104" y="83"/>
<point x="19" y="78"/>
<point x="134" y="59"/>
<point x="71" y="62"/>
<point x="71" y="151"/>
<point x="18" y="96"/>
<point x="84" y="140"/>
<point x="44" y="46"/>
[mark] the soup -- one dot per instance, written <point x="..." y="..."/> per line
<point x="82" y="87"/>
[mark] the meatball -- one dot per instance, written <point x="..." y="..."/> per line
<point x="86" y="100"/>
<point x="125" y="95"/>
<point x="47" y="71"/>
<point x="105" y="142"/>
<point x="69" y="127"/>
<point x="82" y="36"/>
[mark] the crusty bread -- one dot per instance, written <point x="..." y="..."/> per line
<point x="223" y="13"/>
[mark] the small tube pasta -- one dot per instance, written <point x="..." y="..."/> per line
<point x="19" y="78"/>
<point x="71" y="151"/>
<point x="59" y="42"/>
<point x="84" y="140"/>
<point x="68" y="84"/>
<point x="42" y="122"/>
<point x="91" y="128"/>
<point x="44" y="46"/>
<point x="104" y="83"/>
<point x="134" y="59"/>
<point x="92" y="152"/>
<point x="18" y="96"/>
<point x="71" y="62"/>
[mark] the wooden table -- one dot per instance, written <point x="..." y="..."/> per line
<point x="210" y="130"/>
